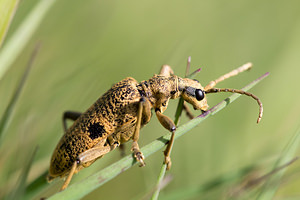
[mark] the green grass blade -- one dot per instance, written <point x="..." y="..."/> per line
<point x="213" y="184"/>
<point x="20" y="38"/>
<point x="10" y="107"/>
<point x="36" y="186"/>
<point x="20" y="187"/>
<point x="89" y="184"/>
<point x="271" y="186"/>
<point x="7" y="10"/>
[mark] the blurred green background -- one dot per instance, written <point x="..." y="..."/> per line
<point x="86" y="46"/>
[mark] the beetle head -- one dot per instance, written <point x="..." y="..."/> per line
<point x="193" y="93"/>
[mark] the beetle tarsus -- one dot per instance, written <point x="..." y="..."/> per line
<point x="138" y="154"/>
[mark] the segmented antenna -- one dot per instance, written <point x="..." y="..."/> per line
<point x="216" y="90"/>
<point x="234" y="72"/>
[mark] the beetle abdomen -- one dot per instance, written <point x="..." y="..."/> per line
<point x="118" y="106"/>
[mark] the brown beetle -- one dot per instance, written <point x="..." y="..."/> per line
<point x="118" y="115"/>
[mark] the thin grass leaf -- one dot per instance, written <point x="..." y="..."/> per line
<point x="162" y="184"/>
<point x="21" y="37"/>
<point x="159" y="181"/>
<point x="36" y="186"/>
<point x="223" y="181"/>
<point x="10" y="107"/>
<point x="7" y="12"/>
<point x="271" y="186"/>
<point x="213" y="184"/>
<point x="19" y="189"/>
<point x="89" y="184"/>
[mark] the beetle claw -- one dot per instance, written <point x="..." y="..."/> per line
<point x="140" y="158"/>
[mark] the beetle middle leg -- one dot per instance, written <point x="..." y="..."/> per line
<point x="144" y="114"/>
<point x="188" y="112"/>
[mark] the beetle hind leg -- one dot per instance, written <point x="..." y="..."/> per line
<point x="86" y="158"/>
<point x="69" y="177"/>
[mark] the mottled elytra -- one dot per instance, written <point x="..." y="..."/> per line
<point x="119" y="114"/>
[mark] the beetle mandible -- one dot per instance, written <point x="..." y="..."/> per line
<point x="117" y="116"/>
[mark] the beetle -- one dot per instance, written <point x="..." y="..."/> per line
<point x="119" y="114"/>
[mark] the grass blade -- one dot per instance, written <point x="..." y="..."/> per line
<point x="270" y="187"/>
<point x="89" y="184"/>
<point x="19" y="190"/>
<point x="213" y="184"/>
<point x="7" y="10"/>
<point x="36" y="186"/>
<point x="10" y="107"/>
<point x="20" y="38"/>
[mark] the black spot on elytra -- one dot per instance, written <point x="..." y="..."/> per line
<point x="96" y="130"/>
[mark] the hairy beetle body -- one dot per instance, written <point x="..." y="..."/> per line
<point x="118" y="115"/>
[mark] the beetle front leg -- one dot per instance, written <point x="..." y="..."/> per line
<point x="170" y="125"/>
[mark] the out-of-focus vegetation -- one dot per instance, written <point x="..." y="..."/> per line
<point x="86" y="46"/>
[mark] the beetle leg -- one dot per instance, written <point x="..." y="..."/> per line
<point x="144" y="111"/>
<point x="146" y="116"/>
<point x="73" y="115"/>
<point x="187" y="111"/>
<point x="94" y="153"/>
<point x="69" y="177"/>
<point x="135" y="147"/>
<point x="170" y="125"/>
<point x="166" y="71"/>
<point x="89" y="155"/>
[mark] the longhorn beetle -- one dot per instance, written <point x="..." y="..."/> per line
<point x="117" y="116"/>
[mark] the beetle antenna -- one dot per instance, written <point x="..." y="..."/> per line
<point x="235" y="72"/>
<point x="216" y="90"/>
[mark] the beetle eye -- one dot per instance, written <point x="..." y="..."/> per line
<point x="199" y="94"/>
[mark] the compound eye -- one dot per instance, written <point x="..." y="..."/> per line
<point x="199" y="94"/>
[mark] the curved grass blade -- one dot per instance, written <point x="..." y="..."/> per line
<point x="7" y="10"/>
<point x="19" y="190"/>
<point x="89" y="184"/>
<point x="193" y="192"/>
<point x="20" y="38"/>
<point x="36" y="186"/>
<point x="271" y="185"/>
<point x="10" y="107"/>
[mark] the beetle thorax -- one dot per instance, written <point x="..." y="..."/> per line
<point x="160" y="89"/>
